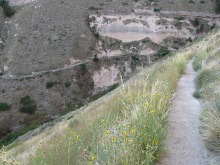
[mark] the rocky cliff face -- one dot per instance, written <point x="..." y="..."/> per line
<point x="62" y="53"/>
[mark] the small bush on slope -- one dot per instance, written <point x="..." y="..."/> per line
<point x="8" y="11"/>
<point x="4" y="106"/>
<point x="217" y="7"/>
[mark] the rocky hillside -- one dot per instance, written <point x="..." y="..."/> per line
<point x="58" y="54"/>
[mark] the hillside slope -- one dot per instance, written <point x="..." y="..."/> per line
<point x="125" y="126"/>
<point x="51" y="53"/>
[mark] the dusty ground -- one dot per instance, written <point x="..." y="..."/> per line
<point x="184" y="144"/>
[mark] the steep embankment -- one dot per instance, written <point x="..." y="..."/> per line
<point x="126" y="126"/>
<point x="48" y="49"/>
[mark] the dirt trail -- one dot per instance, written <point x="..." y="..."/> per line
<point x="184" y="144"/>
<point x="10" y="77"/>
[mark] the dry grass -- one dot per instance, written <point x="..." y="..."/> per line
<point x="208" y="89"/>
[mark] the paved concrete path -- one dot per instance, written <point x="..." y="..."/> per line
<point x="184" y="144"/>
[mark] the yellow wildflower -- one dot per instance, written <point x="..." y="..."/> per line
<point x="146" y="104"/>
<point x="124" y="133"/>
<point x="77" y="138"/>
<point x="133" y="131"/>
<point x="113" y="139"/>
<point x="92" y="158"/>
<point x="155" y="142"/>
<point x="152" y="111"/>
<point x="107" y="132"/>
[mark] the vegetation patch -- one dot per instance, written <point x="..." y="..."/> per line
<point x="28" y="105"/>
<point x="162" y="52"/>
<point x="95" y="8"/>
<point x="14" y="135"/>
<point x="217" y="6"/>
<point x="4" y="106"/>
<point x="191" y="1"/>
<point x="8" y="11"/>
<point x="95" y="59"/>
<point x="50" y="84"/>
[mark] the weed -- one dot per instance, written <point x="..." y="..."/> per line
<point x="197" y="94"/>
<point x="29" y="105"/>
<point x="67" y="84"/>
<point x="4" y="107"/>
<point x="14" y="135"/>
<point x="50" y="84"/>
<point x="217" y="6"/>
<point x="95" y="59"/>
<point x="191" y="1"/>
<point x="8" y="10"/>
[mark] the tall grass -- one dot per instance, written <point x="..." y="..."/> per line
<point x="208" y="88"/>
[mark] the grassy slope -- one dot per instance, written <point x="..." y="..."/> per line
<point x="208" y="90"/>
<point x="126" y="126"/>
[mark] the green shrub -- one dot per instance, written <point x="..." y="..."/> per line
<point x="94" y="8"/>
<point x="95" y="32"/>
<point x="8" y="11"/>
<point x="14" y="135"/>
<point x="29" y="105"/>
<point x="4" y="107"/>
<point x="197" y="94"/>
<point x="67" y="84"/>
<point x="157" y="9"/>
<point x="191" y="1"/>
<point x="217" y="6"/>
<point x="135" y="58"/>
<point x="162" y="52"/>
<point x="50" y="84"/>
<point x="179" y="18"/>
<point x="95" y="59"/>
<point x="196" y="22"/>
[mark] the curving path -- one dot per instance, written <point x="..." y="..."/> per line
<point x="45" y="71"/>
<point x="184" y="144"/>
